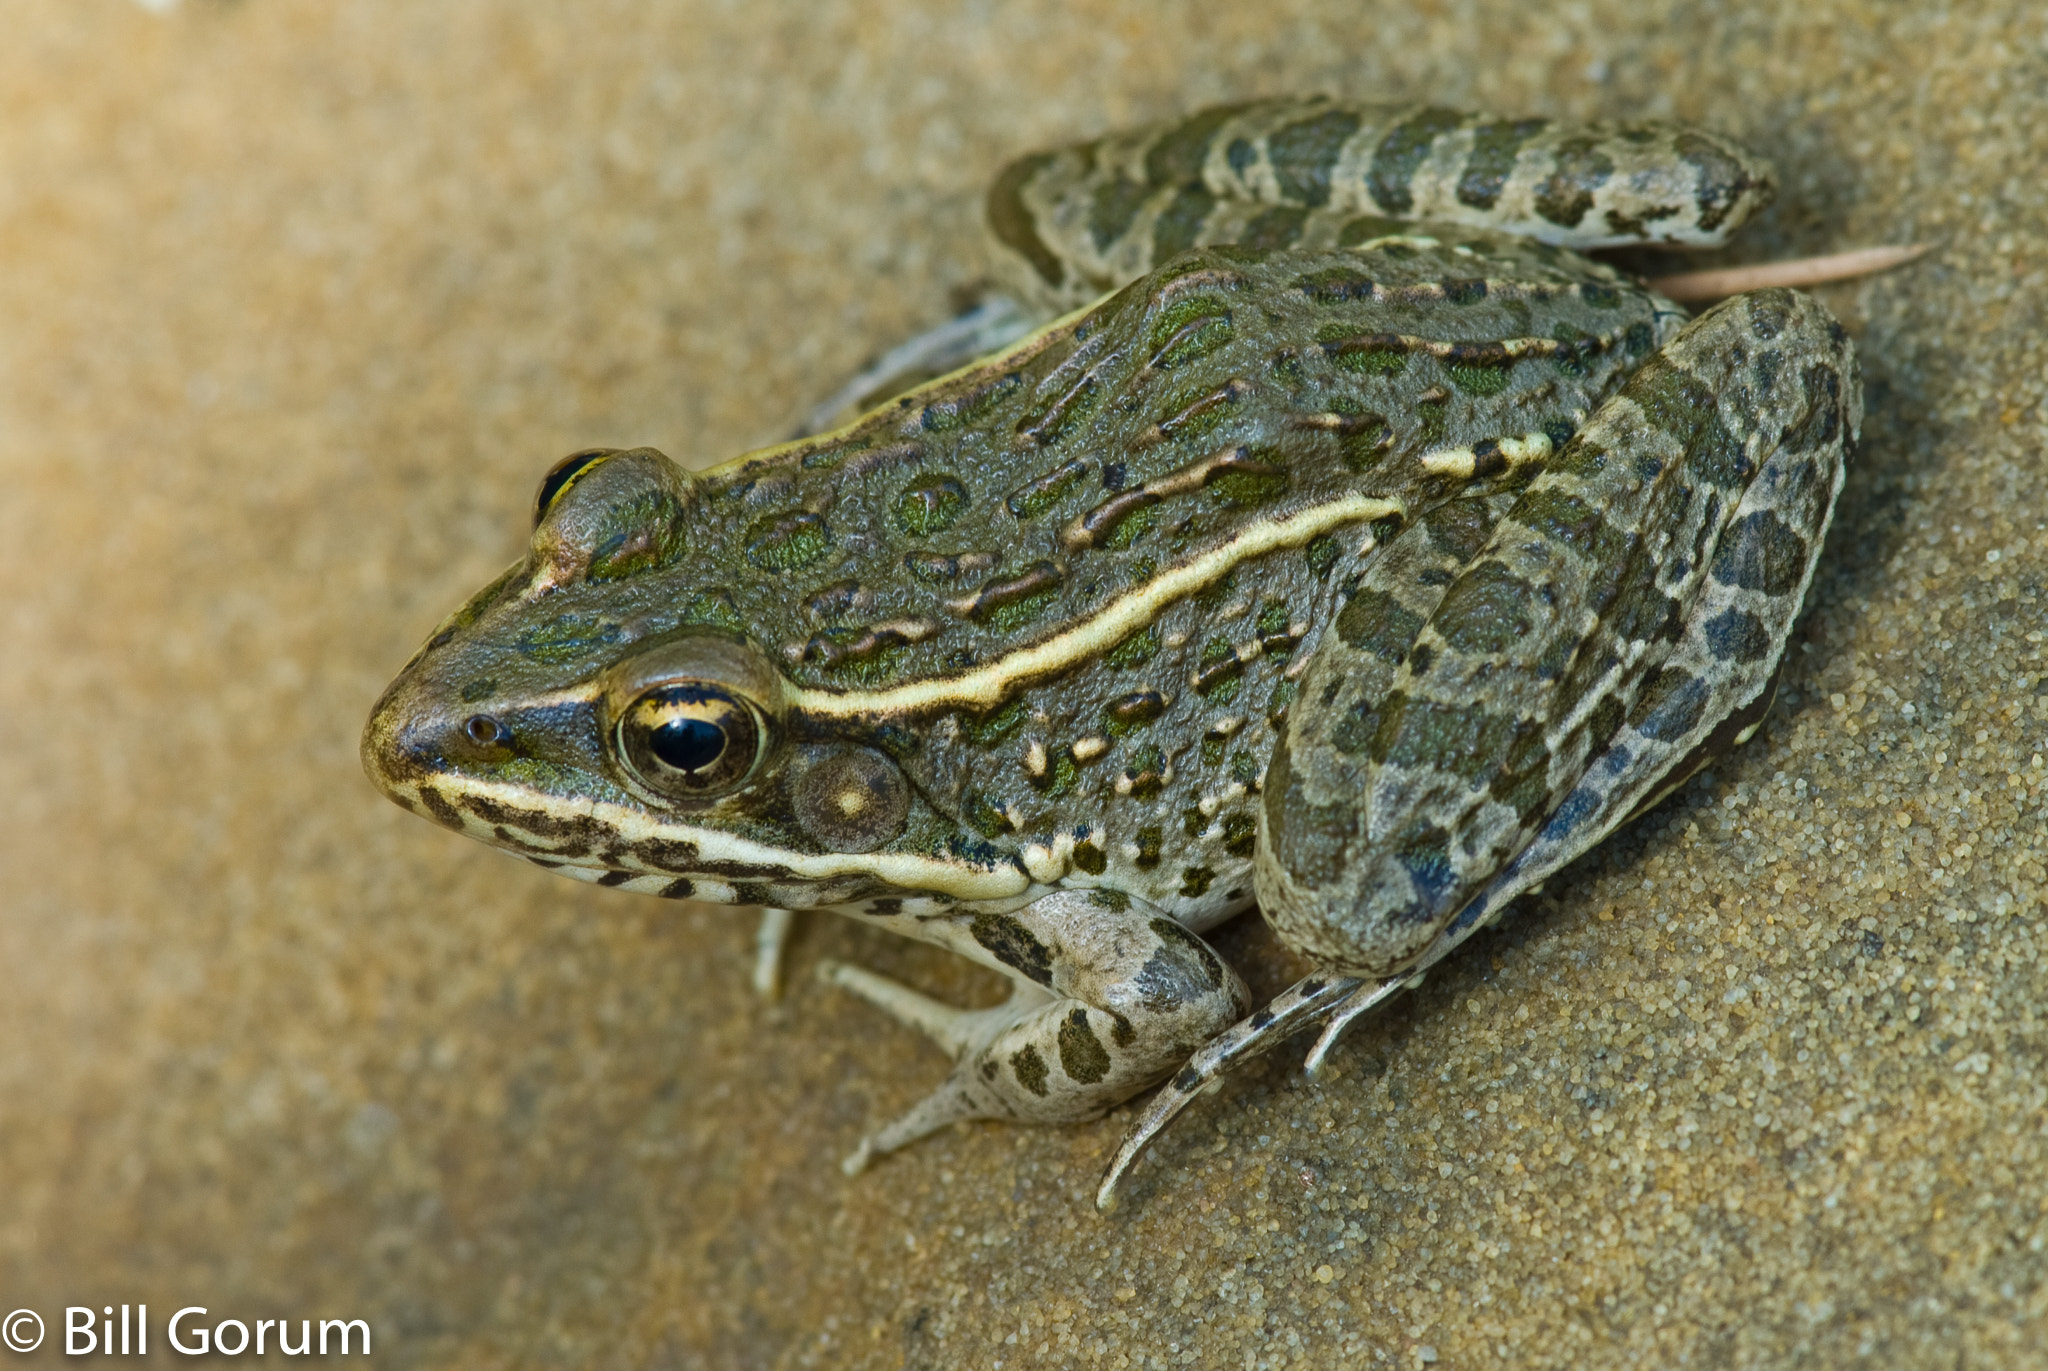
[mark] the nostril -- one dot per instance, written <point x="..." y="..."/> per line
<point x="485" y="731"/>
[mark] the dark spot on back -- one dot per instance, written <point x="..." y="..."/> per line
<point x="1465" y="290"/>
<point x="1240" y="834"/>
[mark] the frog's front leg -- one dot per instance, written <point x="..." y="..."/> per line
<point x="1112" y="995"/>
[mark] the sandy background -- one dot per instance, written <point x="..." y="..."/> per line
<point x="298" y="300"/>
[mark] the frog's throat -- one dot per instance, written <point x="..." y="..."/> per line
<point x="990" y="685"/>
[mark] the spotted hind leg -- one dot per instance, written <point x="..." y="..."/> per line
<point x="1714" y="690"/>
<point x="1706" y="693"/>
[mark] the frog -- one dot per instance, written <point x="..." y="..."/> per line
<point x="1334" y="537"/>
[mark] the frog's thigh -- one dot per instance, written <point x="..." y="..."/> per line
<point x="1721" y="463"/>
<point x="1315" y="794"/>
<point x="1716" y="685"/>
<point x="1113" y="996"/>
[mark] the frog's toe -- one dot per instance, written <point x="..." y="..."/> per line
<point x="1306" y="1002"/>
<point x="1345" y="1012"/>
<point x="956" y="1030"/>
<point x="966" y="1094"/>
<point x="771" y="943"/>
<point x="950" y="1103"/>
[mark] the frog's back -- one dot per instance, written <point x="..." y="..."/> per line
<point x="1016" y="500"/>
<point x="1064" y="590"/>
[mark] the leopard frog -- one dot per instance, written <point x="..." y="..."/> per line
<point x="1350" y="546"/>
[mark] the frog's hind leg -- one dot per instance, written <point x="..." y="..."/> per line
<point x="1110" y="996"/>
<point x="1794" y="376"/>
<point x="1714" y="688"/>
<point x="1289" y="1012"/>
<point x="1396" y="592"/>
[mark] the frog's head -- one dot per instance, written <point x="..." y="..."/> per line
<point x="584" y="711"/>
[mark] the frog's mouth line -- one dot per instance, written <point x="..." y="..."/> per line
<point x="617" y="845"/>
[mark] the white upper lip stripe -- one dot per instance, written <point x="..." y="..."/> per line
<point x="713" y="846"/>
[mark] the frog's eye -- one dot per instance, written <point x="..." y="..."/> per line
<point x="562" y="475"/>
<point x="691" y="740"/>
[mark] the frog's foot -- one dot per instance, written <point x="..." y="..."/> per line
<point x="771" y="942"/>
<point x="993" y="324"/>
<point x="1331" y="1001"/>
<point x="1695" y="287"/>
<point x="1110" y="997"/>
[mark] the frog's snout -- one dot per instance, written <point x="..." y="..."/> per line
<point x="405" y="745"/>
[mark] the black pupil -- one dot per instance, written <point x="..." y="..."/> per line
<point x="688" y="744"/>
<point x="566" y="470"/>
